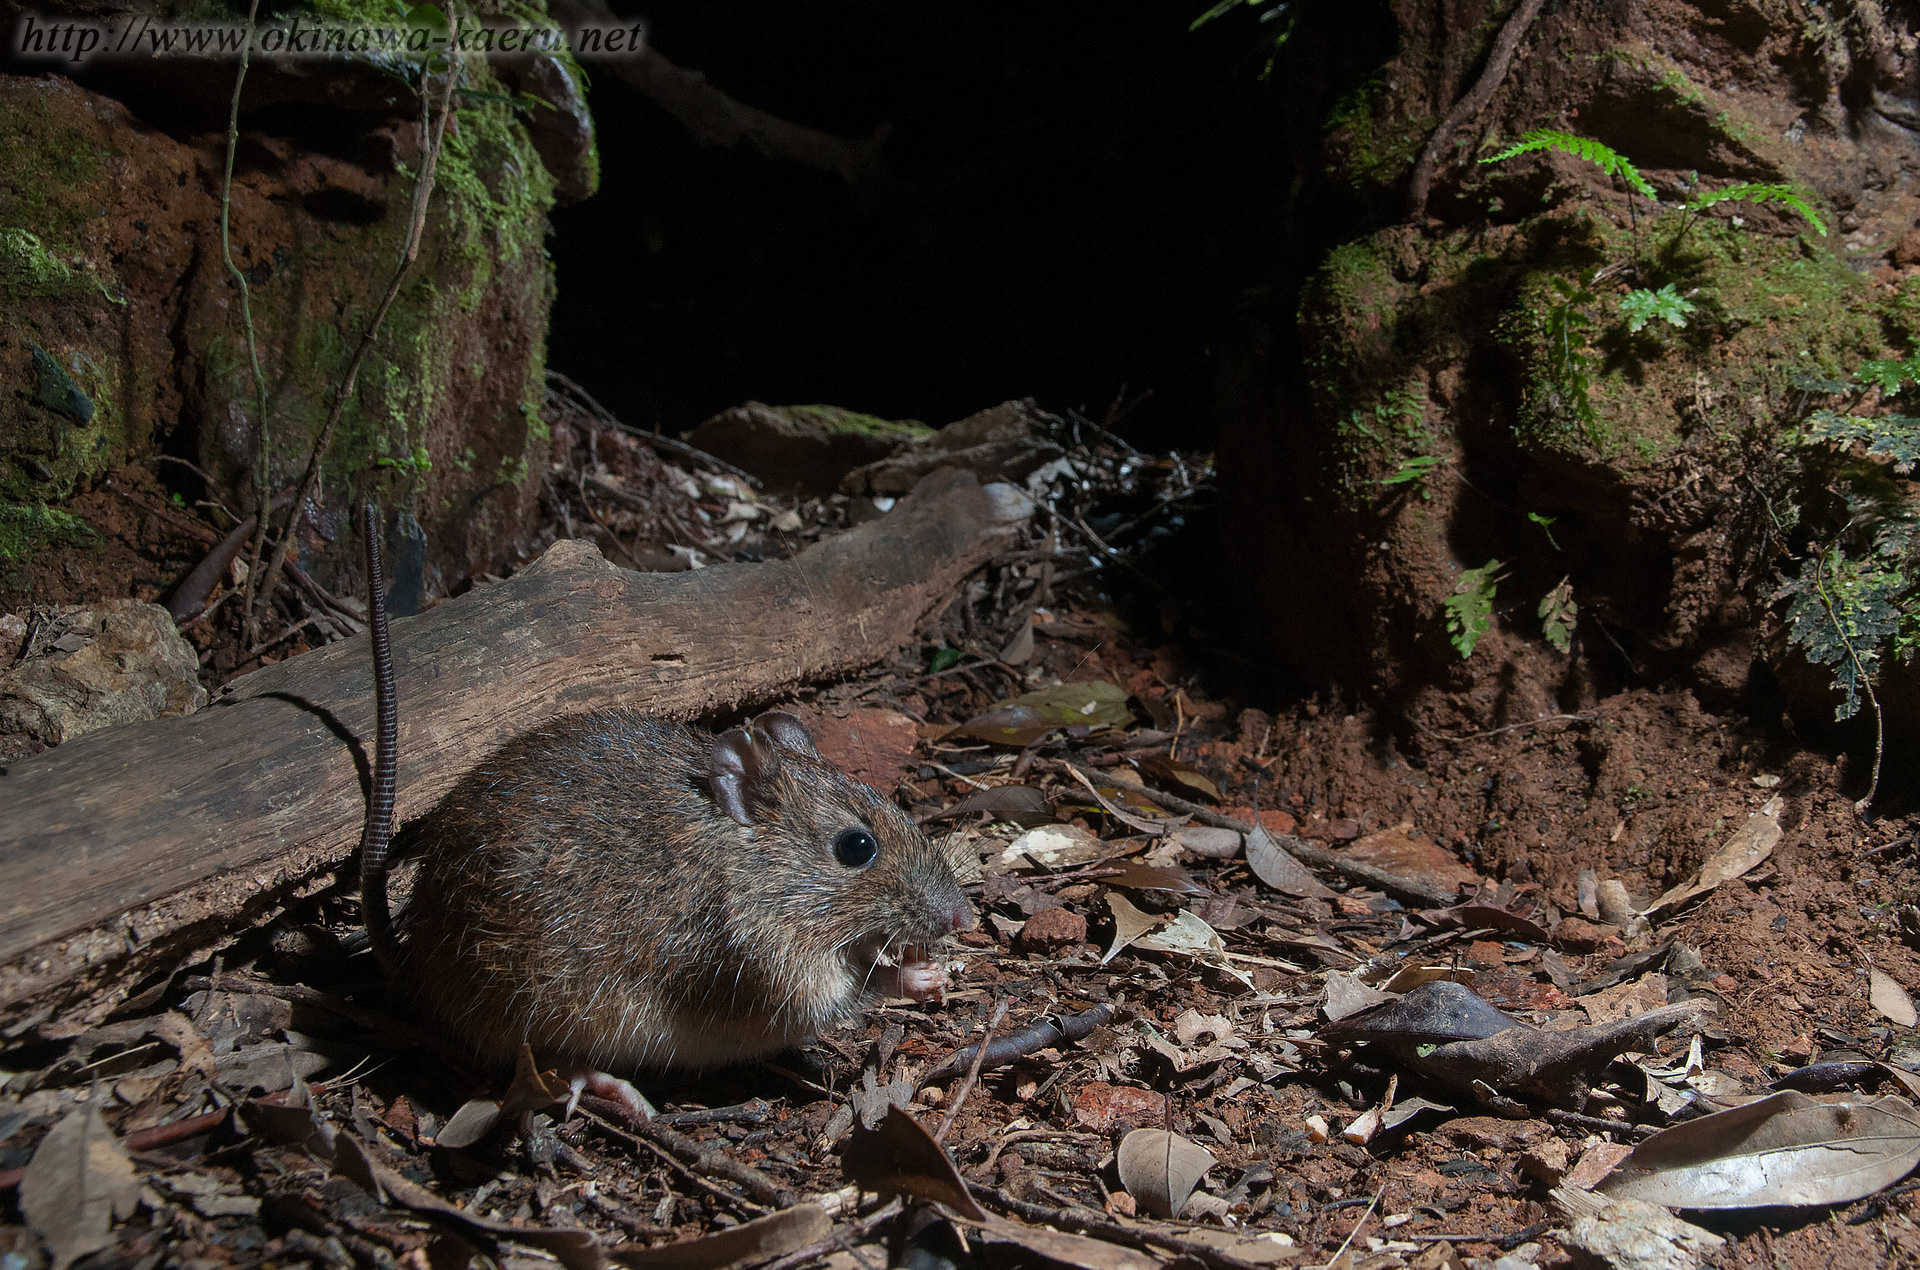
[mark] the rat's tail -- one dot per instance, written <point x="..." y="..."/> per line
<point x="377" y="830"/>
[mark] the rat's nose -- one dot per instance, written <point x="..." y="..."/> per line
<point x="961" y="918"/>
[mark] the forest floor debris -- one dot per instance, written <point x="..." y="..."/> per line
<point x="1153" y="1048"/>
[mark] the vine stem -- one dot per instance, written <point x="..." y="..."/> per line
<point x="1860" y="675"/>
<point x="1470" y="105"/>
<point x="262" y="467"/>
<point x="433" y="134"/>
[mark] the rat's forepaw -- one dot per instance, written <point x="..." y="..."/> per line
<point x="584" y="1080"/>
<point x="917" y="977"/>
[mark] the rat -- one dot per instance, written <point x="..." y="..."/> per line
<point x="624" y="892"/>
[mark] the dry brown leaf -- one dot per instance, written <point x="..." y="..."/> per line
<point x="532" y="1089"/>
<point x="1750" y="844"/>
<point x="1891" y="999"/>
<point x="1079" y="1251"/>
<point x="1181" y="778"/>
<point x="1129" y="924"/>
<point x="1259" y="1249"/>
<point x="177" y="1030"/>
<point x="1160" y="1169"/>
<point x="79" y="1181"/>
<point x="762" y="1239"/>
<point x="1146" y="877"/>
<point x="1110" y="800"/>
<point x="1020" y="721"/>
<point x="1785" y="1149"/>
<point x="1272" y="864"/>
<point x="901" y="1158"/>
<point x="474" y="1121"/>
<point x="1053" y="847"/>
<point x="1022" y="804"/>
<point x="575" y="1249"/>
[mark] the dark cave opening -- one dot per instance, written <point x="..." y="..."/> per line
<point x="1061" y="210"/>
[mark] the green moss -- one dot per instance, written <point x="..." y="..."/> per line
<point x="1377" y="151"/>
<point x="27" y="527"/>
<point x="1900" y="314"/>
<point x="484" y="248"/>
<point x="46" y="164"/>
<point x="28" y="269"/>
<point x="837" y="420"/>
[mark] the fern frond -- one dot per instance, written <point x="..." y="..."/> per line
<point x="1895" y="436"/>
<point x="1789" y="195"/>
<point x="1598" y="153"/>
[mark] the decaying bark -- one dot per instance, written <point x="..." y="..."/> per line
<point x="135" y="835"/>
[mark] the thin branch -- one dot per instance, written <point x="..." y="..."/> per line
<point x="585" y="401"/>
<point x="262" y="467"/>
<point x="434" y="134"/>
<point x="1512" y="727"/>
<point x="966" y="1086"/>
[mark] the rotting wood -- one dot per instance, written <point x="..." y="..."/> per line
<point x="101" y="833"/>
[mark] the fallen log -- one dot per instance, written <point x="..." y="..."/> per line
<point x="156" y="834"/>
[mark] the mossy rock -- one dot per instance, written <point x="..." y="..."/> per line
<point x="112" y="269"/>
<point x="804" y="448"/>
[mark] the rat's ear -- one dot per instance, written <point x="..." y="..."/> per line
<point x="787" y="730"/>
<point x="741" y="770"/>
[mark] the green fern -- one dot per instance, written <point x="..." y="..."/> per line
<point x="1896" y="436"/>
<point x="1559" y="615"/>
<point x="1603" y="156"/>
<point x="1414" y="472"/>
<point x="1644" y="305"/>
<point x="1890" y="376"/>
<point x="1470" y="607"/>
<point x="1844" y="612"/>
<point x="1788" y="195"/>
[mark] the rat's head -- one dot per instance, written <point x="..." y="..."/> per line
<point x="834" y="872"/>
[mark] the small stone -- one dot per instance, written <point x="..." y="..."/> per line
<point x="1579" y="935"/>
<point x="1798" y="1051"/>
<point x="1486" y="953"/>
<point x="1547" y="1162"/>
<point x="1906" y="252"/>
<point x="1492" y="1131"/>
<point x="1616" y="906"/>
<point x="1344" y="829"/>
<point x="1052" y="929"/>
<point x="1100" y="1106"/>
<point x="1598" y="1160"/>
<point x="1724" y="983"/>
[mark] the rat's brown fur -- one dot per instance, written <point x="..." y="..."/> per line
<point x="582" y="893"/>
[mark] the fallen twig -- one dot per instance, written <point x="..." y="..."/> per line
<point x="1037" y="1035"/>
<point x="1596" y="1124"/>
<point x="1136" y="1236"/>
<point x="966" y="1086"/>
<point x="588" y="405"/>
<point x="1302" y="850"/>
<point x="696" y="1156"/>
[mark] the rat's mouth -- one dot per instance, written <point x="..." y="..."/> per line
<point x="894" y="969"/>
<point x="880" y="951"/>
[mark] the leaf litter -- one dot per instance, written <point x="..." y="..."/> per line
<point x="1363" y="1045"/>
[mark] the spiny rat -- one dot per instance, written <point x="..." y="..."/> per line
<point x="623" y="892"/>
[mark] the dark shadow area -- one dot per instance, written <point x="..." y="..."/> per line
<point x="1063" y="208"/>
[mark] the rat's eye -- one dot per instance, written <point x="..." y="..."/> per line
<point x="855" y="848"/>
